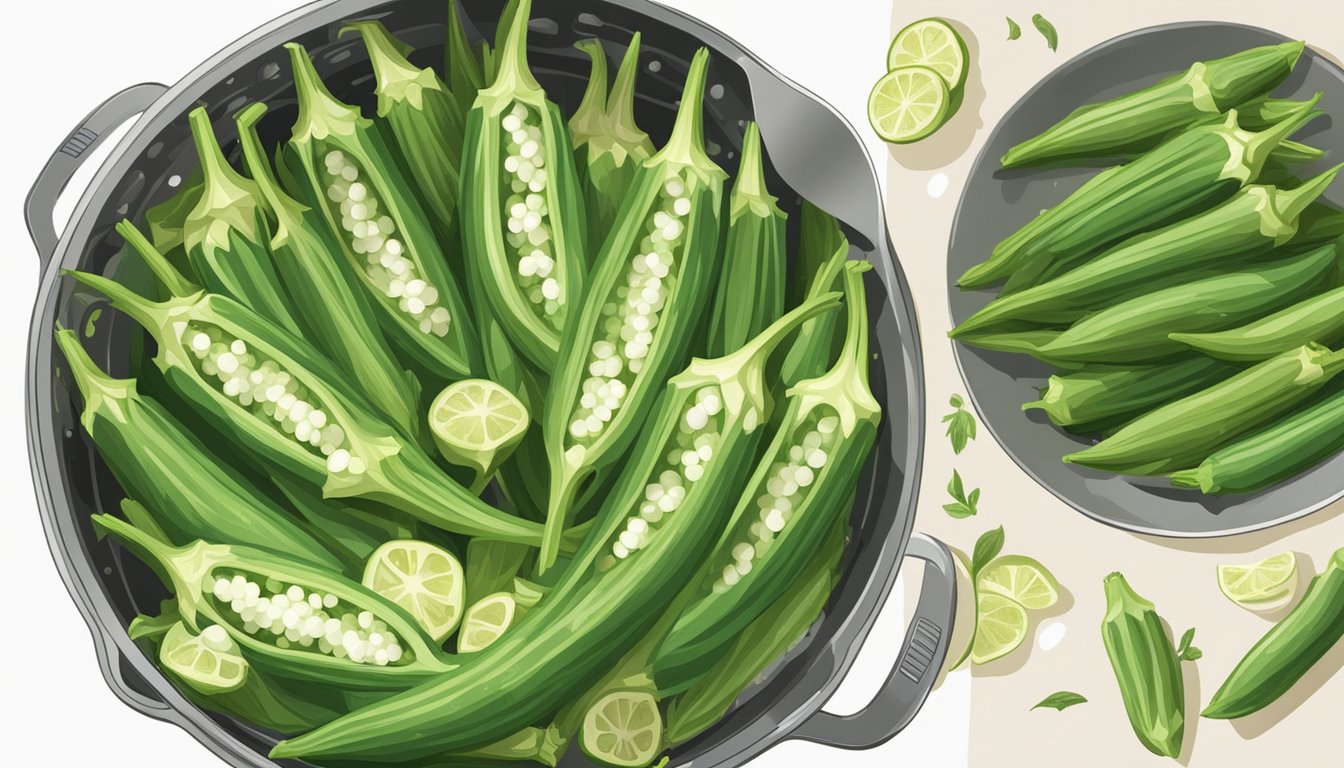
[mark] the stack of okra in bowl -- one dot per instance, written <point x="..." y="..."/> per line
<point x="477" y="433"/>
<point x="1190" y="297"/>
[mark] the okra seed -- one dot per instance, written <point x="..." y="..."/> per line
<point x="682" y="206"/>
<point x="630" y="540"/>
<point x="816" y="459"/>
<point x="511" y="122"/>
<point x="743" y="567"/>
<point x="730" y="575"/>
<point x="349" y="173"/>
<point x="620" y="551"/>
<point x="774" y="521"/>
<point x="338" y="461"/>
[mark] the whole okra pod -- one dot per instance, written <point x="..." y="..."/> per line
<point x="1182" y="434"/>
<point x="1146" y="667"/>
<point x="1319" y="318"/>
<point x="814" y="349"/>
<point x="166" y="221"/>
<point x="646" y="297"/>
<point x="1207" y="88"/>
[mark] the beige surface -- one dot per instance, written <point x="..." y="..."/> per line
<point x="1177" y="575"/>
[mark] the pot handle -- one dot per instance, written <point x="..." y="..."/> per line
<point x="70" y="155"/>
<point x="916" y="668"/>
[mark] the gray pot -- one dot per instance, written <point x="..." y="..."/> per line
<point x="812" y="152"/>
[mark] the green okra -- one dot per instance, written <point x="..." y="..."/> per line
<point x="1206" y="89"/>
<point x="1028" y="342"/>
<point x="647" y="294"/>
<point x="1319" y="318"/>
<point x="1279" y="659"/>
<point x="1279" y="452"/>
<point x="813" y="351"/>
<point x="819" y="237"/>
<point x="522" y="207"/>
<point x="750" y="293"/>
<point x="225" y="235"/>
<point x="350" y="533"/>
<point x="335" y="312"/>
<point x="649" y="538"/>
<point x="491" y="566"/>
<point x="1192" y="171"/>
<point x="461" y="62"/>
<point x="1184" y="433"/>
<point x="425" y="121"/>
<point x="1146" y="668"/>
<point x="387" y="245"/>
<point x="162" y="465"/>
<point x="165" y="222"/>
<point x="1253" y="221"/>
<point x="1138" y="330"/>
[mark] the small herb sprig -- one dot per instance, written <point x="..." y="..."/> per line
<point x="960" y="424"/>
<point x="1061" y="700"/>
<point x="1185" y="651"/>
<point x="963" y="504"/>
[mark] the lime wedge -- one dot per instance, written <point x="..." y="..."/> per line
<point x="1022" y="580"/>
<point x="623" y="728"/>
<point x="476" y="423"/>
<point x="1264" y="586"/>
<point x="1001" y="626"/>
<point x="209" y="662"/>
<point x="908" y="104"/>
<point x="963" y="623"/>
<point x="424" y="579"/>
<point x="934" y="44"/>
<point x="485" y="621"/>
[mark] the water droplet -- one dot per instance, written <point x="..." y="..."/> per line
<point x="655" y="66"/>
<point x="937" y="185"/>
<point x="1051" y="634"/>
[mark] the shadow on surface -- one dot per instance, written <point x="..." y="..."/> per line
<point x="952" y="139"/>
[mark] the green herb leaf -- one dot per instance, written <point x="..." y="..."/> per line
<point x="960" y="424"/>
<point x="1061" y="700"/>
<point x="963" y="506"/>
<point x="1014" y="31"/>
<point x="1047" y="31"/>
<point x="1185" y="651"/>
<point x="987" y="547"/>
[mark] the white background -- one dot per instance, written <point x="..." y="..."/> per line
<point x="61" y="59"/>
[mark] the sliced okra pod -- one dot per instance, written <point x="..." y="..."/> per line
<point x="645" y="299"/>
<point x="225" y="235"/>
<point x="1319" y="318"/>
<point x="386" y="239"/>
<point x="161" y="464"/>
<point x="287" y="618"/>
<point x="792" y="500"/>
<point x="750" y="293"/>
<point x="285" y="406"/>
<point x="1146" y="668"/>
<point x="648" y="539"/>
<point x="522" y="208"/>
<point x="425" y="121"/>
<point x="335" y="313"/>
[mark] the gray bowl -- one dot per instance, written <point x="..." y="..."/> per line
<point x="995" y="203"/>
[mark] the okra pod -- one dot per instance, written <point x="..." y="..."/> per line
<point x="1193" y="170"/>
<point x="609" y="147"/>
<point x="794" y="497"/>
<point x="1097" y="396"/>
<point x="1137" y="330"/>
<point x="750" y="293"/>
<point x="386" y="241"/>
<point x="289" y="619"/>
<point x="166" y="468"/>
<point x="1319" y="318"/>
<point x="819" y="236"/>
<point x="648" y="539"/>
<point x="814" y="348"/>
<point x="425" y="121"/>
<point x="1182" y="434"/>
<point x="522" y="208"/>
<point x="166" y="221"/>
<point x="287" y="409"/>
<point x="1279" y="659"/>
<point x="647" y="294"/>
<point x="225" y="235"/>
<point x="1207" y="88"/>
<point x="351" y="534"/>
<point x="1277" y="453"/>
<point x="461" y="63"/>
<point x="1146" y="668"/>
<point x="1253" y="221"/>
<point x="335" y="313"/>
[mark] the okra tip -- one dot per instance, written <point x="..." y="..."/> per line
<point x="92" y="381"/>
<point x="1290" y="203"/>
<point x="621" y="101"/>
<point x="590" y="119"/>
<point x="512" y="72"/>
<point x="214" y="166"/>
<point x="167" y="275"/>
<point x="318" y="109"/>
<point x="750" y="182"/>
<point x="1200" y="477"/>
<point x="687" y="143"/>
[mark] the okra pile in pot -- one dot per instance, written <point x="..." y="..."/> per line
<point x="470" y="431"/>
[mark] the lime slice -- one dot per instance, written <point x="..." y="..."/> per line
<point x="424" y="579"/>
<point x="623" y="728"/>
<point x="485" y="621"/>
<point x="208" y="662"/>
<point x="476" y="423"/>
<point x="1022" y="580"/>
<point x="908" y="104"/>
<point x="1001" y="626"/>
<point x="963" y="623"/>
<point x="1264" y="586"/>
<point x="934" y="44"/>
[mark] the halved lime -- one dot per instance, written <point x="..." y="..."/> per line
<point x="908" y="104"/>
<point x="485" y="621"/>
<point x="476" y="423"/>
<point x="424" y="579"/>
<point x="624" y="728"/>
<point x="934" y="44"/>
<point x="209" y="662"/>
<point x="963" y="623"/>
<point x="1022" y="580"/>
<point x="1001" y="626"/>
<point x="1264" y="586"/>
